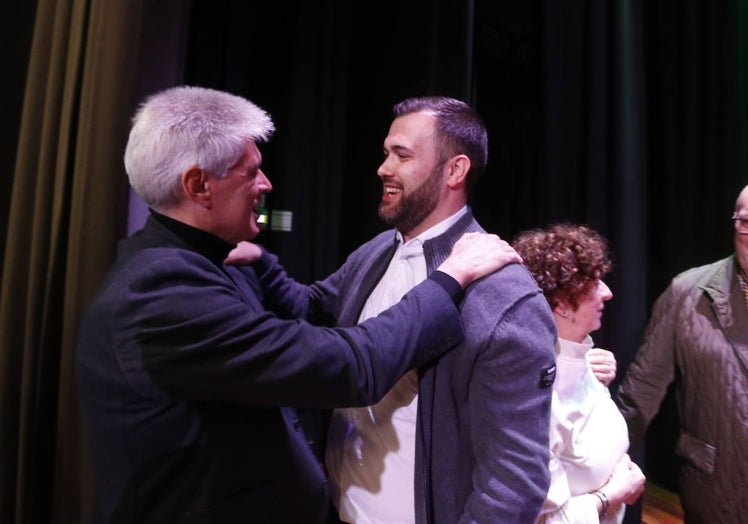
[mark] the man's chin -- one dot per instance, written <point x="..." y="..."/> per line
<point x="253" y="233"/>
<point x="387" y="214"/>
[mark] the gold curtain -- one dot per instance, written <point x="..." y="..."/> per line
<point x="67" y="209"/>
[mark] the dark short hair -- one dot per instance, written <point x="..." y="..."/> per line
<point x="459" y="128"/>
<point x="566" y="260"/>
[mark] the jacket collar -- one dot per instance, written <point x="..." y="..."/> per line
<point x="437" y="249"/>
<point x="718" y="289"/>
<point x="728" y="303"/>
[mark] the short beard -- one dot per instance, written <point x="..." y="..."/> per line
<point x="413" y="208"/>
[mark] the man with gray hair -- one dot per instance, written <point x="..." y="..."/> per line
<point x="183" y="373"/>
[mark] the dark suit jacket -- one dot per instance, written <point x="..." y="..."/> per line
<point x="483" y="409"/>
<point x="182" y="373"/>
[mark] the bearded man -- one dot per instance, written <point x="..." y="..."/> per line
<point x="465" y="437"/>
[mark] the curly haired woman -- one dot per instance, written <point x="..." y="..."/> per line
<point x="592" y="477"/>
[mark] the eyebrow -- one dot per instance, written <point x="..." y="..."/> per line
<point x="399" y="149"/>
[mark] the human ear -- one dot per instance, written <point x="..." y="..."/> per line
<point x="564" y="309"/>
<point x="458" y="170"/>
<point x="196" y="187"/>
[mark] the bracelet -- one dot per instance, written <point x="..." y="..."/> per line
<point x="604" y="500"/>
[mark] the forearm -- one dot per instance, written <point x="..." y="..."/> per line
<point x="281" y="294"/>
<point x="216" y="342"/>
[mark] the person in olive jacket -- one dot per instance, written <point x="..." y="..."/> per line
<point x="182" y="372"/>
<point x="697" y="340"/>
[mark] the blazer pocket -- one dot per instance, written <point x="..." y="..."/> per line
<point x="696" y="452"/>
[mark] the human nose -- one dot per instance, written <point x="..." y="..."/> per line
<point x="385" y="168"/>
<point x="604" y="291"/>
<point x="263" y="182"/>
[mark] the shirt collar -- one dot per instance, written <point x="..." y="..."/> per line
<point x="435" y="230"/>
<point x="569" y="348"/>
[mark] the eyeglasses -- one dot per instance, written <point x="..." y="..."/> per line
<point x="741" y="224"/>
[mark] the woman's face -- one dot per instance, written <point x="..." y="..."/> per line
<point x="577" y="324"/>
<point x="590" y="310"/>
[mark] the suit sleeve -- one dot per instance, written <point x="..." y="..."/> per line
<point x="318" y="303"/>
<point x="509" y="413"/>
<point x="187" y="328"/>
<point x="286" y="297"/>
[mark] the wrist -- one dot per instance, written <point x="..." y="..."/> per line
<point x="604" y="502"/>
<point x="450" y="285"/>
<point x="456" y="272"/>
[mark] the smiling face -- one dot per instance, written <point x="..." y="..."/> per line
<point x="412" y="175"/>
<point x="236" y="198"/>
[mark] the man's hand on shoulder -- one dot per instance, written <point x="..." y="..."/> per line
<point x="244" y="253"/>
<point x="475" y="255"/>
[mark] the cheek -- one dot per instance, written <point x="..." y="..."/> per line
<point x="741" y="246"/>
<point x="741" y="250"/>
<point x="254" y="190"/>
<point x="416" y="181"/>
<point x="592" y="312"/>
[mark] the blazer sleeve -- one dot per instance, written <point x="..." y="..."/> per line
<point x="183" y="326"/>
<point x="281" y="294"/>
<point x="337" y="299"/>
<point x="509" y="412"/>
<point x="290" y="299"/>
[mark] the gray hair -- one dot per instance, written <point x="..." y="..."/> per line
<point x="184" y="127"/>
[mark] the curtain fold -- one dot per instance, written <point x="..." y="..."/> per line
<point x="67" y="211"/>
<point x="24" y="413"/>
